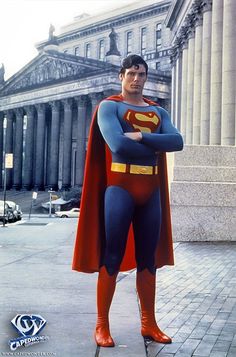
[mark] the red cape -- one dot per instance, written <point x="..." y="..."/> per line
<point x="90" y="238"/>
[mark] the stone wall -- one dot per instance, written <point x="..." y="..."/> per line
<point x="203" y="194"/>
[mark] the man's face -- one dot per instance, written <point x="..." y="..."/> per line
<point x="133" y="79"/>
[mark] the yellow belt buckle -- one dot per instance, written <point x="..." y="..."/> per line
<point x="118" y="167"/>
<point x="143" y="170"/>
<point x="134" y="169"/>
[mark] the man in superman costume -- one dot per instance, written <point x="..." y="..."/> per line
<point x="125" y="215"/>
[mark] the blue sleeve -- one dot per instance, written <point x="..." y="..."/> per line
<point x="113" y="134"/>
<point x="169" y="138"/>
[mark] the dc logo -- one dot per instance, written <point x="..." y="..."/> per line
<point x="28" y="325"/>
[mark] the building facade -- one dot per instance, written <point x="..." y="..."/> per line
<point x="139" y="26"/>
<point x="46" y="107"/>
<point x="203" y="190"/>
<point x="203" y="70"/>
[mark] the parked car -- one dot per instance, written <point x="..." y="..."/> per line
<point x="73" y="213"/>
<point x="16" y="211"/>
<point x="8" y="214"/>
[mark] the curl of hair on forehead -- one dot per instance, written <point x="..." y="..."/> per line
<point x="133" y="60"/>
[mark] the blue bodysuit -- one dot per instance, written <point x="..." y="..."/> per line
<point x="133" y="194"/>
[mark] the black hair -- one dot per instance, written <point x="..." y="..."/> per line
<point x="133" y="60"/>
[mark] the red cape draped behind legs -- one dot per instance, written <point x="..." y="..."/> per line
<point x="90" y="238"/>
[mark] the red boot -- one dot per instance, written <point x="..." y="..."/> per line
<point x="146" y="285"/>
<point x="105" y="290"/>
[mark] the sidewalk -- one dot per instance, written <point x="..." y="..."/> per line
<point x="196" y="299"/>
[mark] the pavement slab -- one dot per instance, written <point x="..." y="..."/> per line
<point x="195" y="299"/>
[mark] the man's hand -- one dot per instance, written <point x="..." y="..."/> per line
<point x="136" y="136"/>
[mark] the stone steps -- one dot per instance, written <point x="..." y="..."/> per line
<point x="204" y="155"/>
<point x="203" y="194"/>
<point x="204" y="173"/>
<point x="217" y="194"/>
<point x="203" y="224"/>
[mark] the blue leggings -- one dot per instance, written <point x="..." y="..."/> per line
<point x="120" y="210"/>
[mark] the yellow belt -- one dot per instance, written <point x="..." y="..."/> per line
<point x="134" y="169"/>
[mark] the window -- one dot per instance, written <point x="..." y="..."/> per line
<point x="77" y="51"/>
<point x="129" y="42"/>
<point x="88" y="50"/>
<point x="158" y="36"/>
<point x="101" y="50"/>
<point x="143" y="40"/>
<point x="158" y="66"/>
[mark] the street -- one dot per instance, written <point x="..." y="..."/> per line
<point x="196" y="299"/>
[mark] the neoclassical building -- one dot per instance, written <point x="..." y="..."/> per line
<point x="46" y="107"/>
<point x="203" y="70"/>
<point x="203" y="189"/>
<point x="139" y="26"/>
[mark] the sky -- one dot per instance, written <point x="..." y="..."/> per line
<point x="23" y="23"/>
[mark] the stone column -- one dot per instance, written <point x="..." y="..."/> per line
<point x="184" y="90"/>
<point x="216" y="72"/>
<point x="228" y="73"/>
<point x="173" y="90"/>
<point x="67" y="144"/>
<point x="95" y="100"/>
<point x="1" y="147"/>
<point x="81" y="139"/>
<point x="190" y="87"/>
<point x="197" y="80"/>
<point x="40" y="147"/>
<point x="29" y="149"/>
<point x="54" y="147"/>
<point x="178" y="89"/>
<point x="206" y="73"/>
<point x="9" y="145"/>
<point x="18" y="149"/>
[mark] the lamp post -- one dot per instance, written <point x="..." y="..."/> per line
<point x="7" y="165"/>
<point x="50" y="201"/>
<point x="4" y="175"/>
<point x="4" y="191"/>
<point x="34" y="197"/>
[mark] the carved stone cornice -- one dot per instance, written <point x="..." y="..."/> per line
<point x="176" y="50"/>
<point x="197" y="10"/>
<point x="9" y="114"/>
<point x="197" y="4"/>
<point x="177" y="47"/>
<point x="191" y="32"/>
<point x="81" y="101"/>
<point x="199" y="19"/>
<point x="206" y="5"/>
<point x="95" y="98"/>
<point x="182" y="38"/>
<point x="49" y="70"/>
<point x="67" y="103"/>
<point x="30" y="110"/>
<point x="55" y="105"/>
<point x="19" y="112"/>
<point x="40" y="108"/>
<point x="173" y="56"/>
<point x="184" y="45"/>
<point x="193" y="19"/>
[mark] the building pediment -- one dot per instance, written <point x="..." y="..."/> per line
<point x="48" y="68"/>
